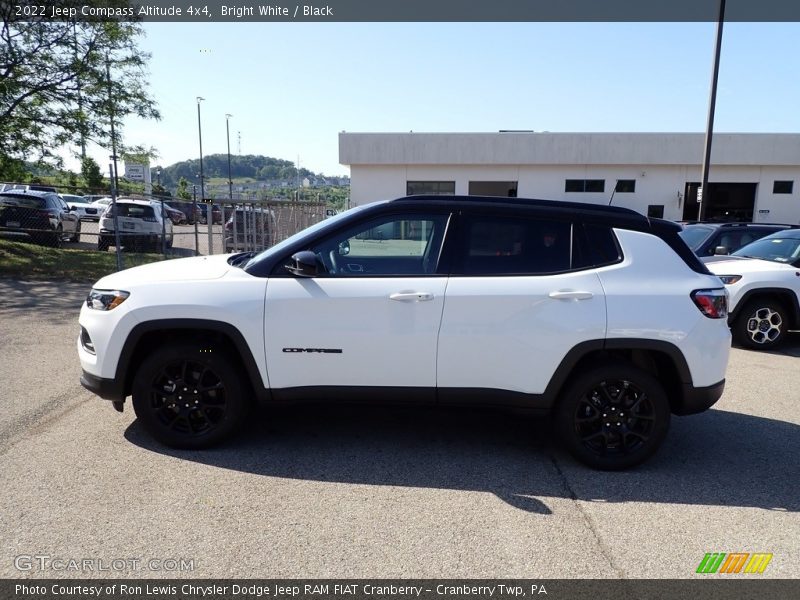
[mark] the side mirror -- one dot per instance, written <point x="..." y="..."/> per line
<point x="305" y="264"/>
<point x="720" y="250"/>
<point x="72" y="208"/>
<point x="344" y="248"/>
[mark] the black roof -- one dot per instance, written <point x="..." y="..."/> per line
<point x="739" y="224"/>
<point x="615" y="216"/>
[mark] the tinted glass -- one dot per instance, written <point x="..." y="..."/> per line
<point x="139" y="211"/>
<point x="26" y="201"/>
<point x="626" y="186"/>
<point x="694" y="235"/>
<point x="430" y="187"/>
<point x="513" y="246"/>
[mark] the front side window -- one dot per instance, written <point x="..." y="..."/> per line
<point x="391" y="246"/>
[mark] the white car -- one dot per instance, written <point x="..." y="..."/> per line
<point x="86" y="211"/>
<point x="141" y="226"/>
<point x="763" y="280"/>
<point x="596" y="315"/>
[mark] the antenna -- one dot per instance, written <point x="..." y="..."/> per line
<point x="614" y="191"/>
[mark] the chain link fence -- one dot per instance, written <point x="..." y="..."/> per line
<point x="146" y="223"/>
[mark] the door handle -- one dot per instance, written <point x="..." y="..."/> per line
<point x="411" y="296"/>
<point x="570" y="295"/>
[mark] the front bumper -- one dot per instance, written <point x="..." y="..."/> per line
<point x="697" y="399"/>
<point x="107" y="389"/>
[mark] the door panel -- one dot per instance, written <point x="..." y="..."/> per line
<point x="511" y="333"/>
<point x="351" y="332"/>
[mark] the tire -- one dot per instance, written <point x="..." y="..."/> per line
<point x="214" y="407"/>
<point x="77" y="236"/>
<point x="761" y="324"/>
<point x="56" y="237"/>
<point x="103" y="243"/>
<point x="590" y="416"/>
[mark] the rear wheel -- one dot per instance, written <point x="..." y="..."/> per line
<point x="761" y="325"/>
<point x="103" y="243"/>
<point x="613" y="417"/>
<point x="56" y="237"/>
<point x="187" y="396"/>
<point x="76" y="237"/>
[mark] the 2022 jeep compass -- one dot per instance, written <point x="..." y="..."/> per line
<point x="595" y="315"/>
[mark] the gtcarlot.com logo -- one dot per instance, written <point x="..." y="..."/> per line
<point x="734" y="562"/>
<point x="45" y="562"/>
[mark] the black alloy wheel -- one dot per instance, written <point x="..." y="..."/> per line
<point x="189" y="396"/>
<point x="613" y="417"/>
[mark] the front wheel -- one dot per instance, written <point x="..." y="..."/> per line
<point x="613" y="417"/>
<point x="76" y="237"/>
<point x="189" y="396"/>
<point x="761" y="325"/>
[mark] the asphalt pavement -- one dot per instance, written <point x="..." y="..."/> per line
<point x="378" y="492"/>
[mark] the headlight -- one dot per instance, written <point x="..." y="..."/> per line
<point x="729" y="279"/>
<point x="106" y="299"/>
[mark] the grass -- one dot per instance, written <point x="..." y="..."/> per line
<point x="30" y="261"/>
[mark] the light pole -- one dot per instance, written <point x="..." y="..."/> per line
<point x="228" y="134"/>
<point x="209" y="212"/>
<point x="712" y="103"/>
<point x="230" y="180"/>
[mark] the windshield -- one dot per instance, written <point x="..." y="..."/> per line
<point x="782" y="250"/>
<point x="694" y="235"/>
<point x="308" y="231"/>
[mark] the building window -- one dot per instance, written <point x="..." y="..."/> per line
<point x="782" y="187"/>
<point x="585" y="185"/>
<point x="433" y="188"/>
<point x="656" y="211"/>
<point x="493" y="188"/>
<point x="625" y="186"/>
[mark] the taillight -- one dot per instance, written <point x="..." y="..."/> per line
<point x="712" y="303"/>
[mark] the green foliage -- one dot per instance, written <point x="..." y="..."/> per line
<point x="216" y="165"/>
<point x="183" y="189"/>
<point x="91" y="173"/>
<point x="54" y="88"/>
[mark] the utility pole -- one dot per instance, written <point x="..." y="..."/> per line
<point x="209" y="211"/>
<point x="712" y="102"/>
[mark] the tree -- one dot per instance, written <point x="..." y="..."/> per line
<point x="54" y="88"/>
<point x="91" y="173"/>
<point x="183" y="189"/>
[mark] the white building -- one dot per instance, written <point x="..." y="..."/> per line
<point x="752" y="176"/>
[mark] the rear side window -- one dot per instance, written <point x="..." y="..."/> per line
<point x="597" y="247"/>
<point x="515" y="246"/>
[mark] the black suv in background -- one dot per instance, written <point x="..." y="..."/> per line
<point x="708" y="239"/>
<point x="42" y="217"/>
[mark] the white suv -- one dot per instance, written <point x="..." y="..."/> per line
<point x="141" y="226"/>
<point x="596" y="315"/>
<point x="763" y="279"/>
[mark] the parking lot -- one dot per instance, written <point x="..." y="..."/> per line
<point x="378" y="493"/>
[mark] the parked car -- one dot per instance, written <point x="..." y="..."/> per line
<point x="763" y="280"/>
<point x="190" y="210"/>
<point x="216" y="213"/>
<point x="42" y="217"/>
<point x="140" y="226"/>
<point x="86" y="211"/>
<point x="176" y="216"/>
<point x="597" y="315"/>
<point x="708" y="239"/>
<point x="32" y="187"/>
<point x="254" y="227"/>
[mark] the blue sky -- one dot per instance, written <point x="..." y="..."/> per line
<point x="292" y="87"/>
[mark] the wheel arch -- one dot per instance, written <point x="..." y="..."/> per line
<point x="151" y="334"/>
<point x="788" y="299"/>
<point x="661" y="359"/>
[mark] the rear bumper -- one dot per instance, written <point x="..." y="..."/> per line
<point x="695" y="400"/>
<point x="107" y="389"/>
